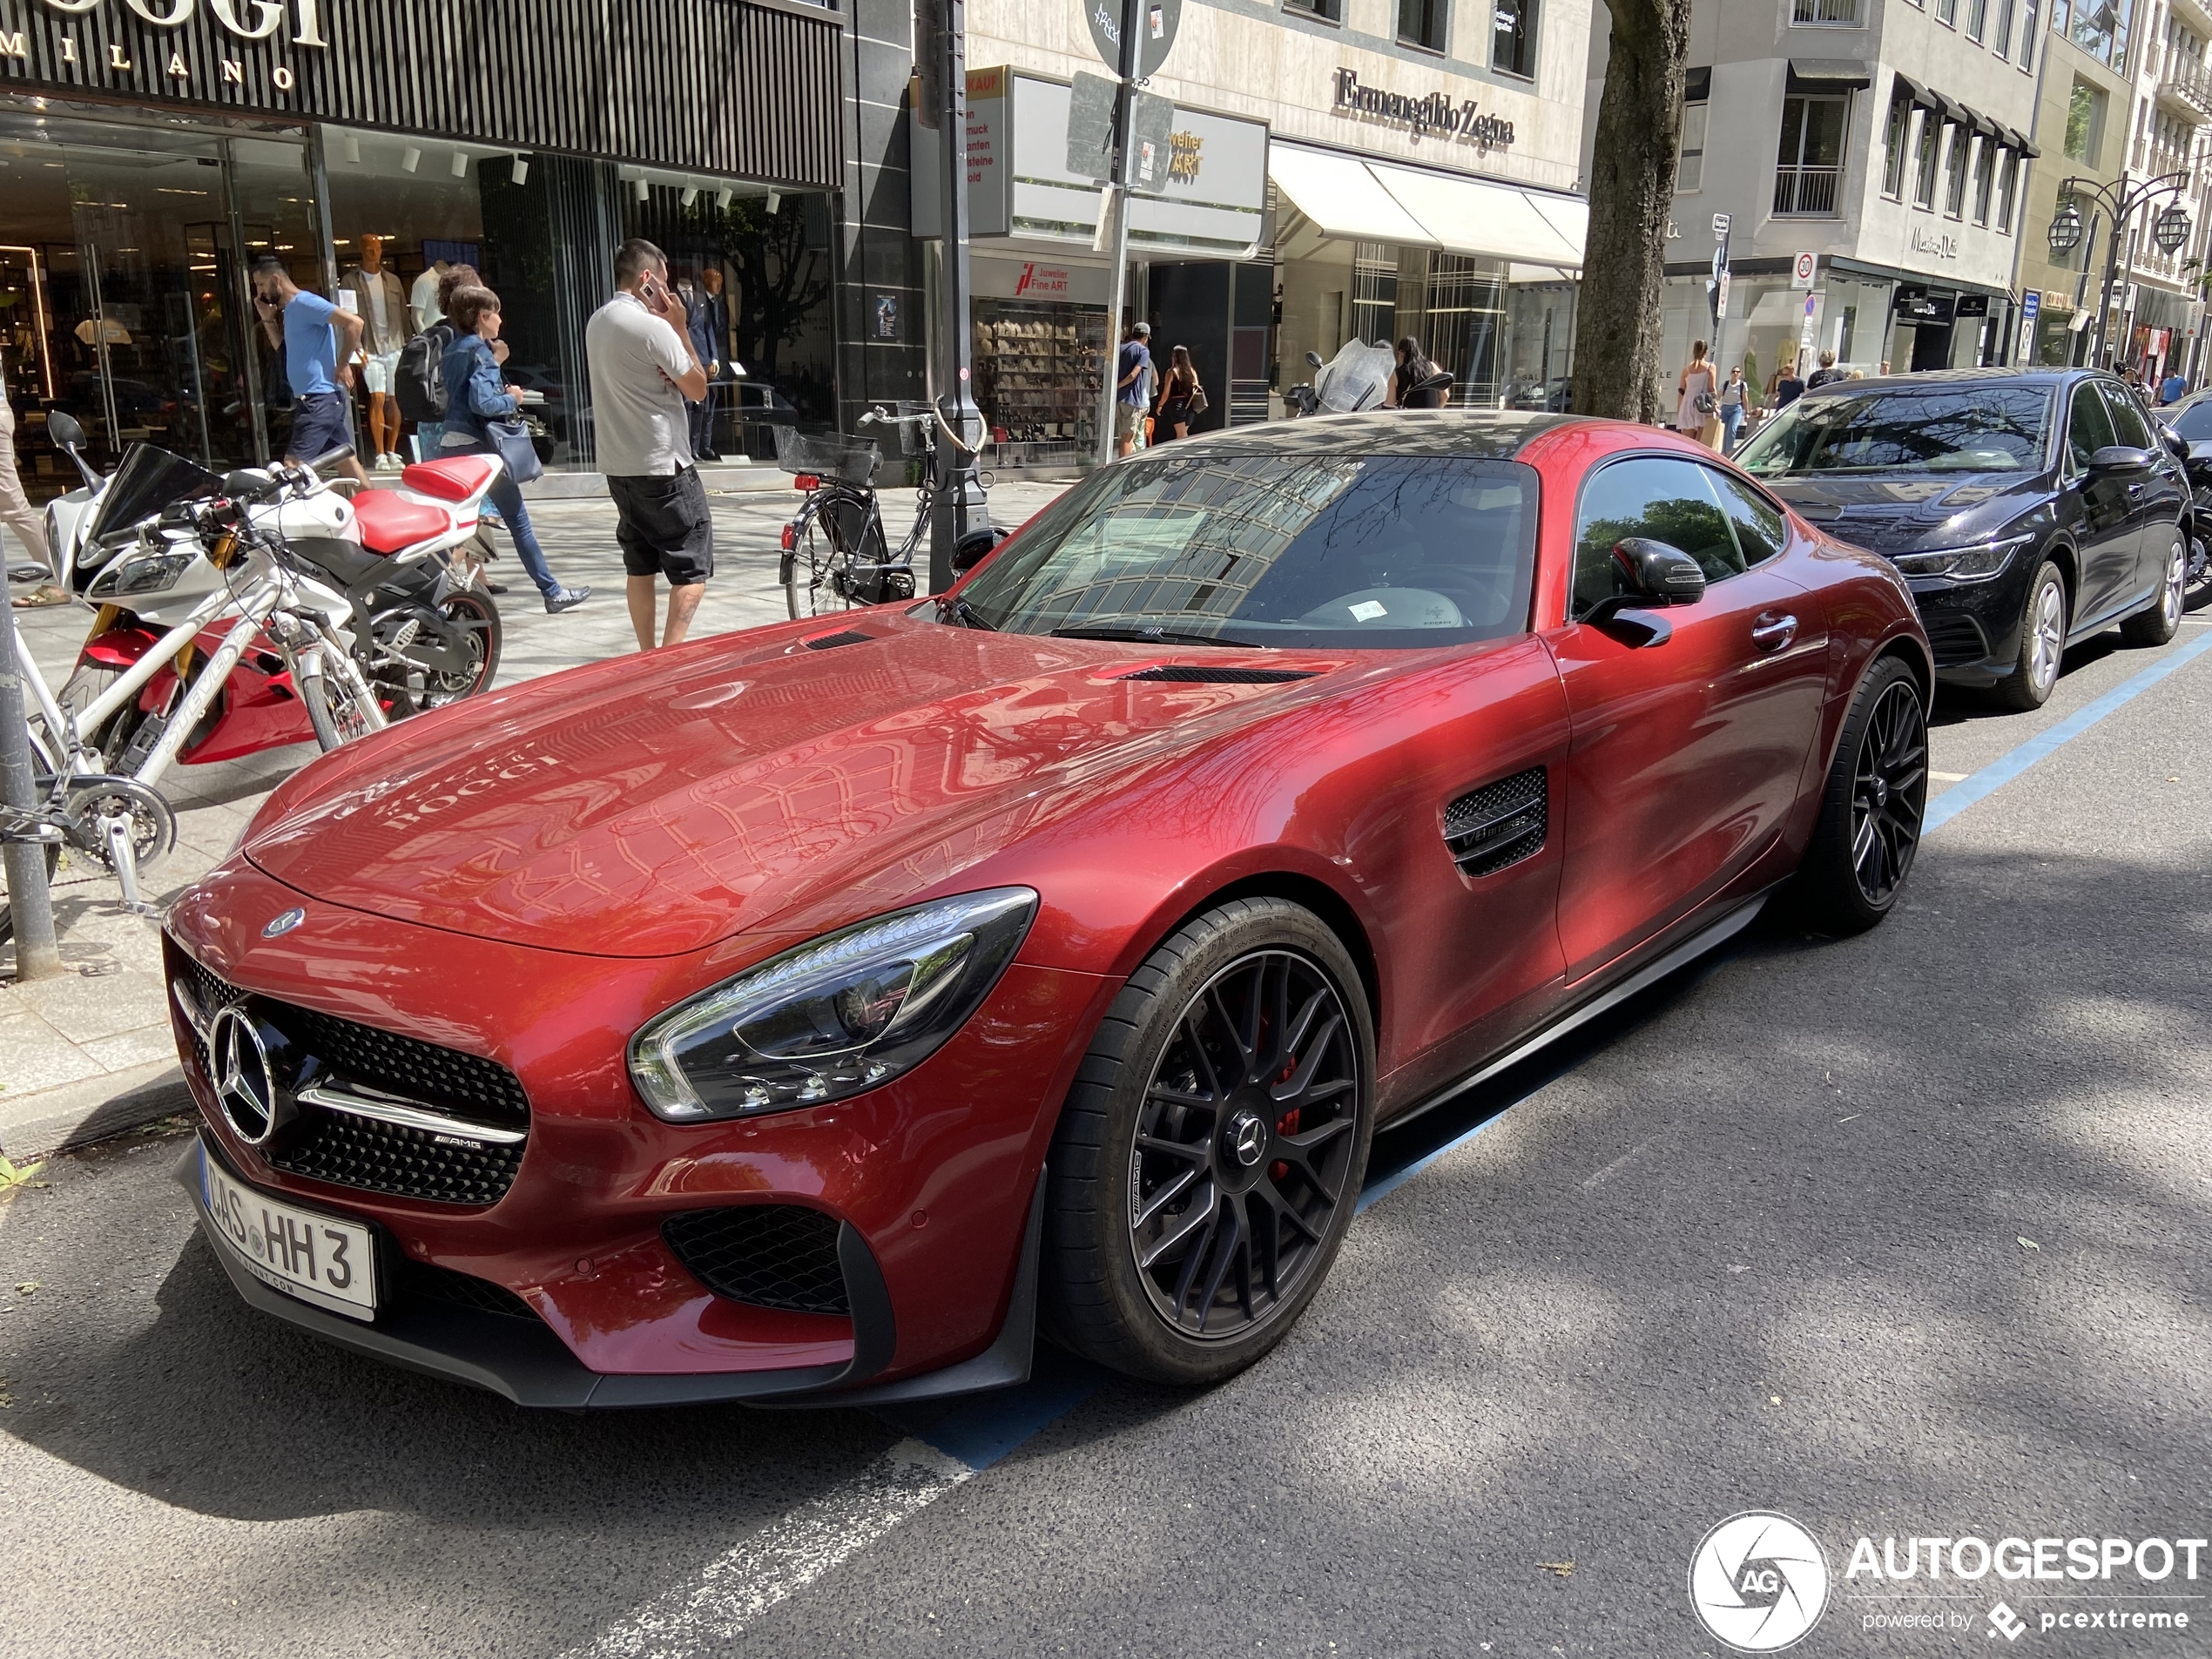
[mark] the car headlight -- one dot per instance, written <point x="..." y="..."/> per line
<point x="839" y="1014"/>
<point x="1975" y="563"/>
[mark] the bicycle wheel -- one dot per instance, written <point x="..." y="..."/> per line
<point x="818" y="578"/>
<point x="338" y="706"/>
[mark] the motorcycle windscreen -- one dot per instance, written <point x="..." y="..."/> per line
<point x="148" y="479"/>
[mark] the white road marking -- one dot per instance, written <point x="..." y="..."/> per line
<point x="1949" y="777"/>
<point x="776" y="1563"/>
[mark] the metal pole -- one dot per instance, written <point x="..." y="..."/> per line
<point x="1118" y="202"/>
<point x="31" y="907"/>
<point x="2081" y="292"/>
<point x="959" y="504"/>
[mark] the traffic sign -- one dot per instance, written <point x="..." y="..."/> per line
<point x="1157" y="22"/>
<point x="2031" y="308"/>
<point x="1720" y="300"/>
<point x="1720" y="227"/>
<point x="1090" y="126"/>
<point x="1801" y="272"/>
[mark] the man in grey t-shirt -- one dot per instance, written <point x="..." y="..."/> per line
<point x="643" y="369"/>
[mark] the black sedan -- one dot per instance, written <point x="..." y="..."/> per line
<point x="2028" y="510"/>
<point x="2190" y="422"/>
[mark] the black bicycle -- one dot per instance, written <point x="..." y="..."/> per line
<point x="836" y="552"/>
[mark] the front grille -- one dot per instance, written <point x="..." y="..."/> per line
<point x="1500" y="823"/>
<point x="1198" y="674"/>
<point x="1956" y="640"/>
<point x="771" y="1255"/>
<point x="346" y="1149"/>
<point x="426" y="1282"/>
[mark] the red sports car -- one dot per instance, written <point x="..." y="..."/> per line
<point x="818" y="1011"/>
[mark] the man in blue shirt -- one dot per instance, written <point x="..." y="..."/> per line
<point x="1129" y="370"/>
<point x="2175" y="388"/>
<point x="318" y="340"/>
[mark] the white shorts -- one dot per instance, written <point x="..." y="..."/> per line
<point x="379" y="371"/>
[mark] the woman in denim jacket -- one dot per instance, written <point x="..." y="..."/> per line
<point x="474" y="394"/>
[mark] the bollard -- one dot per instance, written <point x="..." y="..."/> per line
<point x="38" y="955"/>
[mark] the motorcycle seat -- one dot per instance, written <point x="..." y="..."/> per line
<point x="389" y="520"/>
<point x="459" y="478"/>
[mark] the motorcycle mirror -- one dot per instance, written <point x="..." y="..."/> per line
<point x="245" y="482"/>
<point x="61" y="427"/>
<point x="1314" y="358"/>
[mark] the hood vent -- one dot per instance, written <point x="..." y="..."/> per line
<point x="1198" y="674"/>
<point x="831" y="642"/>
<point x="1500" y="823"/>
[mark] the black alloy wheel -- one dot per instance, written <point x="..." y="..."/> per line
<point x="1890" y="795"/>
<point x="1242" y="1145"/>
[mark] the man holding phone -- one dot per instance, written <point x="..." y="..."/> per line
<point x="643" y="372"/>
<point x="318" y="340"/>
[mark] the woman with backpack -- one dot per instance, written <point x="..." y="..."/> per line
<point x="1697" y="412"/>
<point x="1181" y="398"/>
<point x="417" y="385"/>
<point x="475" y="395"/>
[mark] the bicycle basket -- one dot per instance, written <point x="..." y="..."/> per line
<point x="842" y="459"/>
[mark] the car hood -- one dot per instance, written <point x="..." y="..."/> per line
<point x="1902" y="511"/>
<point x="657" y="805"/>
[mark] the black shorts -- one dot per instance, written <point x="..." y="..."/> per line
<point x="321" y="423"/>
<point x="664" y="526"/>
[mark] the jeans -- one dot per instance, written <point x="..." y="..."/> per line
<point x="1731" y="424"/>
<point x="429" y="434"/>
<point x="507" y="495"/>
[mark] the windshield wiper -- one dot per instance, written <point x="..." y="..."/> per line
<point x="965" y="614"/>
<point x="1156" y="636"/>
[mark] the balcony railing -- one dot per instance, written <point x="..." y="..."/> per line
<point x="2187" y="90"/>
<point x="1806" y="192"/>
<point x="1843" y="14"/>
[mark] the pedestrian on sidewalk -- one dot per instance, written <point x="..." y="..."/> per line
<point x="1734" y="396"/>
<point x="475" y="394"/>
<point x="643" y="373"/>
<point x="1785" y="388"/>
<point x="1696" y="407"/>
<point x="1826" y="373"/>
<point x="308" y="329"/>
<point x="1131" y="367"/>
<point x="1181" y="398"/>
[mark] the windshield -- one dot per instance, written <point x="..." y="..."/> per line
<point x="1947" y="428"/>
<point x="1356" y="550"/>
<point x="2194" y="423"/>
<point x="148" y="479"/>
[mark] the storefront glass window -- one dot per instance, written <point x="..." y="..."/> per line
<point x="1038" y="370"/>
<point x="1374" y="293"/>
<point x="1465" y="325"/>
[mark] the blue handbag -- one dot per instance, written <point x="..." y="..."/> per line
<point x="512" y="440"/>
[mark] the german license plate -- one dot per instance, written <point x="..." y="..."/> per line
<point x="318" y="1258"/>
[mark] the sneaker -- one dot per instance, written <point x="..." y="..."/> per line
<point x="495" y="588"/>
<point x="398" y="462"/>
<point x="384" y="463"/>
<point x="565" y="599"/>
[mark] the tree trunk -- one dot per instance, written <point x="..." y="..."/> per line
<point x="1632" y="192"/>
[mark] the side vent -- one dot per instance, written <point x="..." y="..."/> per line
<point x="1501" y="824"/>
<point x="831" y="642"/>
<point x="1198" y="674"/>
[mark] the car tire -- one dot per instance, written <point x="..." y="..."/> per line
<point x="2158" y="624"/>
<point x="1871" y="807"/>
<point x="2042" y="647"/>
<point x="1176" y="1147"/>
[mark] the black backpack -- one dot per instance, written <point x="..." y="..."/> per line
<point x="420" y="385"/>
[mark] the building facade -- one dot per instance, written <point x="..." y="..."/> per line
<point x="154" y="149"/>
<point x="2154" y="321"/>
<point x="1884" y="144"/>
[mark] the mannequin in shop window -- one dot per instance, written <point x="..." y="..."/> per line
<point x="379" y="301"/>
<point x="422" y="298"/>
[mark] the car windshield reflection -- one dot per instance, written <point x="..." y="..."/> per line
<point x="1904" y="429"/>
<point x="1354" y="550"/>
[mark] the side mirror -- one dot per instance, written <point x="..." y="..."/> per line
<point x="1662" y="575"/>
<point x="2121" y="458"/>
<point x="1314" y="358"/>
<point x="63" y="429"/>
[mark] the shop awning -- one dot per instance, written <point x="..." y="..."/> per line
<point x="1377" y="201"/>
<point x="1828" y="74"/>
<point x="1340" y="195"/>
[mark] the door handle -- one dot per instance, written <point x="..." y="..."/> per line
<point x="1773" y="631"/>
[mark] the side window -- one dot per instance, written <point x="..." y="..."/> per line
<point x="2127" y="424"/>
<point x="2088" y="428"/>
<point x="1761" y="530"/>
<point x="1669" y="501"/>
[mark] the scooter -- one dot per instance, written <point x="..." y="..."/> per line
<point x="1356" y="378"/>
<point x="395" y="572"/>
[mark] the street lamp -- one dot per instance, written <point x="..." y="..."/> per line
<point x="2171" y="229"/>
<point x="2065" y="234"/>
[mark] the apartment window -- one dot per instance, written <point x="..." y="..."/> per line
<point x="1947" y="13"/>
<point x="1926" y="153"/>
<point x="1954" y="193"/>
<point x="1810" y="163"/>
<point x="1985" y="180"/>
<point x="1422" y="23"/>
<point x="1839" y="14"/>
<point x="2085" y="123"/>
<point x="2028" y="12"/>
<point x="1977" y="18"/>
<point x="1327" y="10"/>
<point x="1894" y="136"/>
<point x="2101" y="29"/>
<point x="2004" y="31"/>
<point x="1513" y="38"/>
<point x="2008" y="167"/>
<point x="1689" y="171"/>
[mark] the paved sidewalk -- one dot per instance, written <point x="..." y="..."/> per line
<point x="89" y="1054"/>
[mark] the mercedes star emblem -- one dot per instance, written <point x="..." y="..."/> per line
<point x="284" y="923"/>
<point x="245" y="1083"/>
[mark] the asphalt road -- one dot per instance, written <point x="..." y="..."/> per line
<point x="1901" y="1236"/>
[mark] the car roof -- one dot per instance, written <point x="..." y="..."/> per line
<point x="1482" y="434"/>
<point x="2042" y="378"/>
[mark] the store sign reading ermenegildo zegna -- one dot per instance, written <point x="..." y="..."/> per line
<point x="1435" y="113"/>
<point x="246" y="19"/>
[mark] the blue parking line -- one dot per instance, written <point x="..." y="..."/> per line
<point x="2001" y="771"/>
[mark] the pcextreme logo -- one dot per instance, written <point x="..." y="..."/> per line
<point x="1758" y="1582"/>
